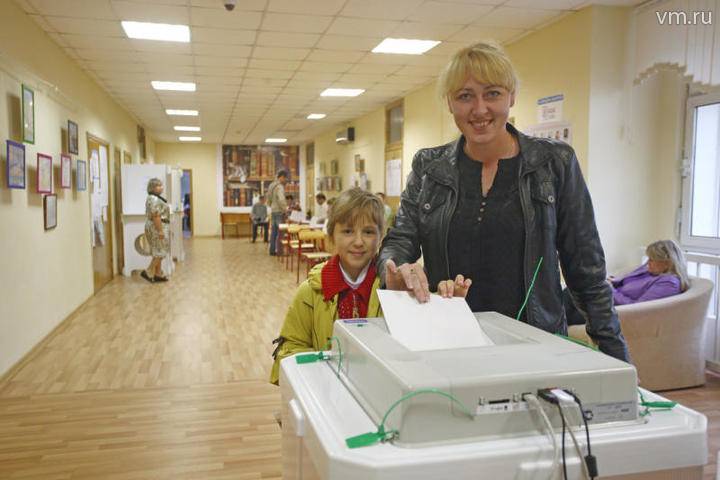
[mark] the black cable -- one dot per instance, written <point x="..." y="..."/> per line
<point x="590" y="460"/>
<point x="562" y="417"/>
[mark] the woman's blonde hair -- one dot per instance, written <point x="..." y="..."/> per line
<point x="152" y="184"/>
<point x="486" y="62"/>
<point x="668" y="250"/>
<point x="355" y="204"/>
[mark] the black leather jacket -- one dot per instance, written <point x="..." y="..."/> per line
<point x="559" y="226"/>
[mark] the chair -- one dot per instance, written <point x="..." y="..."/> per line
<point x="314" y="256"/>
<point x="666" y="337"/>
<point x="294" y="245"/>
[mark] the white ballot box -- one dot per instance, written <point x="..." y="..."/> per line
<point x="473" y="413"/>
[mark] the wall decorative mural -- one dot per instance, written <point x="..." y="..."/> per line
<point x="248" y="170"/>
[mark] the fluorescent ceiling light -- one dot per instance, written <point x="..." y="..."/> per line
<point x="157" y="31"/>
<point x="316" y="116"/>
<point x="186" y="129"/>
<point x="190" y="139"/>
<point x="404" y="46"/>
<point x="275" y="140"/>
<point x="175" y="86"/>
<point x="189" y="113"/>
<point x="342" y="92"/>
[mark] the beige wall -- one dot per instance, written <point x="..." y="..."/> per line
<point x="46" y="275"/>
<point x="202" y="160"/>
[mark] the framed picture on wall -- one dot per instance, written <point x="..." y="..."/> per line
<point x="15" y="164"/>
<point x="72" y="137"/>
<point x="28" y="115"/>
<point x="334" y="167"/>
<point x="81" y="180"/>
<point x="65" y="171"/>
<point x="50" y="209"/>
<point x="44" y="173"/>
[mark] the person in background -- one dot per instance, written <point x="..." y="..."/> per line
<point x="346" y="285"/>
<point x="157" y="230"/>
<point x="388" y="211"/>
<point x="502" y="208"/>
<point x="259" y="215"/>
<point x="278" y="207"/>
<point x="186" y="212"/>
<point x="292" y="205"/>
<point x="663" y="275"/>
<point x="321" y="208"/>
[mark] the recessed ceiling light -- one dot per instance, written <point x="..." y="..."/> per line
<point x="404" y="46"/>
<point x="190" y="139"/>
<point x="188" y="113"/>
<point x="175" y="86"/>
<point x="275" y="140"/>
<point x="156" y="31"/>
<point x="316" y="116"/>
<point x="341" y="92"/>
<point x="186" y="129"/>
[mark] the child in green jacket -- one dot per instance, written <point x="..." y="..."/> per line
<point x="346" y="285"/>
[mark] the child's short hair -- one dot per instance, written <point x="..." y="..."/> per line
<point x="320" y="195"/>
<point x="354" y="204"/>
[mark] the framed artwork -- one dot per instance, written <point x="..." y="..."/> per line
<point x="72" y="137"/>
<point x="81" y="180"/>
<point x="333" y="167"/>
<point x="50" y="210"/>
<point x="65" y="171"/>
<point x="359" y="164"/>
<point x="28" y="114"/>
<point x="15" y="164"/>
<point x="44" y="173"/>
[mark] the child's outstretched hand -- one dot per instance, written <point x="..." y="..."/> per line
<point x="457" y="288"/>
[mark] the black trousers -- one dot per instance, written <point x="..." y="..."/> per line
<point x="264" y="226"/>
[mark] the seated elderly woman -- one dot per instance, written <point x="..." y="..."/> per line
<point x="663" y="275"/>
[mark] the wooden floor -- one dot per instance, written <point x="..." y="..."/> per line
<point x="169" y="381"/>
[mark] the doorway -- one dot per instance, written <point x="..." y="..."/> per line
<point x="117" y="167"/>
<point x="187" y="201"/>
<point x="101" y="211"/>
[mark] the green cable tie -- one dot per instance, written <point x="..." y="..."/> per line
<point x="329" y="347"/>
<point x="530" y="289"/>
<point x="311" y="357"/>
<point x="371" y="438"/>
<point x="579" y="342"/>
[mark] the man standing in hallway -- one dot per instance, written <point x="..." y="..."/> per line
<point x="278" y="207"/>
<point x="259" y="217"/>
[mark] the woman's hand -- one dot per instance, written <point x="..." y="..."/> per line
<point x="409" y="277"/>
<point x="458" y="288"/>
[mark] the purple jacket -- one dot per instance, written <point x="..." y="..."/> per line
<point x="641" y="286"/>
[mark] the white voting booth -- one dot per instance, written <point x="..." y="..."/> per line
<point x="473" y="412"/>
<point x="134" y="194"/>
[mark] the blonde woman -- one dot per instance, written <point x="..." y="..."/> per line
<point x="157" y="230"/>
<point x="497" y="206"/>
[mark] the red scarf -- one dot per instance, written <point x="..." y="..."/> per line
<point x="352" y="303"/>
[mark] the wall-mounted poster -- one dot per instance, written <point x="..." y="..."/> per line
<point x="28" y="114"/>
<point x="44" y="173"/>
<point x="50" y="208"/>
<point x="248" y="170"/>
<point x="73" y="137"/>
<point x="65" y="171"/>
<point x="15" y="164"/>
<point x="81" y="180"/>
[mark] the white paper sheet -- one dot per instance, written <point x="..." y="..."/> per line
<point x="439" y="324"/>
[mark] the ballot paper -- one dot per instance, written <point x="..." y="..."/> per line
<point x="439" y="324"/>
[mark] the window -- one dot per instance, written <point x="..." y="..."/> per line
<point x="701" y="187"/>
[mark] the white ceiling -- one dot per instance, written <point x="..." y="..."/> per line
<point x="260" y="68"/>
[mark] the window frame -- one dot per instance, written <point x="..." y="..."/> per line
<point x="709" y="245"/>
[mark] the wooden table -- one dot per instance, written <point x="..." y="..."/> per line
<point x="241" y="222"/>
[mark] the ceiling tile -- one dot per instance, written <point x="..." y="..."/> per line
<point x="273" y="82"/>
<point x="439" y="12"/>
<point x="425" y="30"/>
<point x="99" y="9"/>
<point x="325" y="67"/>
<point x="312" y="7"/>
<point x="260" y="64"/>
<point x="517" y="17"/>
<point x="96" y="42"/>
<point x="161" y="47"/>
<point x="150" y="12"/>
<point x="281" y="39"/>
<point x="473" y="33"/>
<point x="86" y="26"/>
<point x="277" y="53"/>
<point x="223" y="36"/>
<point x="256" y="5"/>
<point x="164" y="58"/>
<point x="215" y="50"/>
<point x="229" y="72"/>
<point x="282" y="22"/>
<point x="201" y="60"/>
<point x="217" y="18"/>
<point x="279" y="74"/>
<point x="320" y="76"/>
<point x="547" y="4"/>
<point x="381" y="9"/>
<point x="342" y="42"/>
<point x="362" y="27"/>
<point x="372" y="68"/>
<point x="335" y="56"/>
